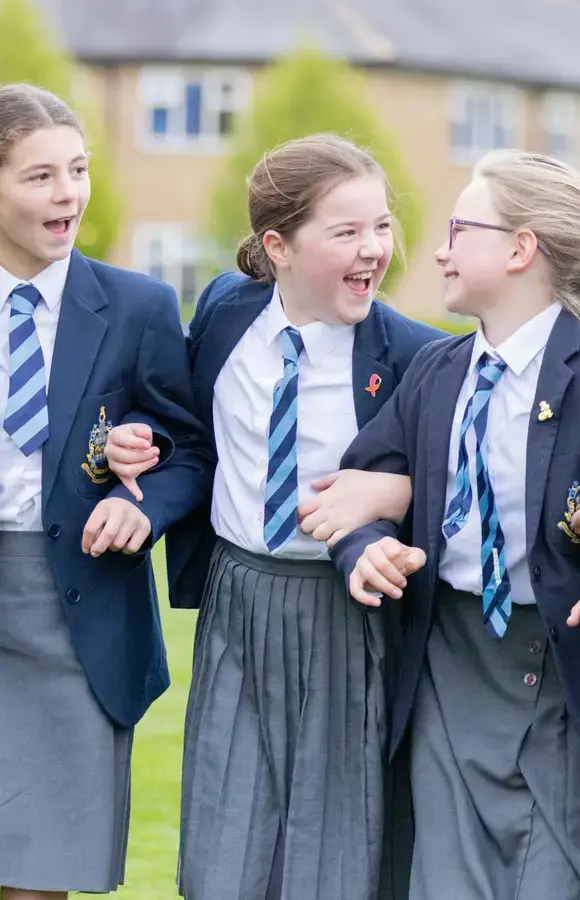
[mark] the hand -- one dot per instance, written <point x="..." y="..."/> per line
<point x="575" y="522"/>
<point x="129" y="452"/>
<point x="573" y="619"/>
<point x="383" y="568"/>
<point x="115" y="524"/>
<point x="351" y="498"/>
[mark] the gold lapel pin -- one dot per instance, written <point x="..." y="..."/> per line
<point x="545" y="411"/>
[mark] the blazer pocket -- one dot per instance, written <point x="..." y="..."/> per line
<point x="95" y="417"/>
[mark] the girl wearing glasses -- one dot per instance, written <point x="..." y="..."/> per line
<point x="486" y="427"/>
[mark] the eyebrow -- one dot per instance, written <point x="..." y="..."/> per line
<point x="383" y="218"/>
<point x="81" y="158"/>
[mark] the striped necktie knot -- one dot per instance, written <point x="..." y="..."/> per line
<point x="292" y="344"/>
<point x="26" y="413"/>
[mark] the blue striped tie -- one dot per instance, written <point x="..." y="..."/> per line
<point x="281" y="506"/>
<point x="497" y="603"/>
<point x="26" y="415"/>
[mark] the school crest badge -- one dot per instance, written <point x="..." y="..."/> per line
<point x="573" y="505"/>
<point x="96" y="466"/>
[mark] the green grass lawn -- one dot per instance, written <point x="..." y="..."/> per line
<point x="153" y="838"/>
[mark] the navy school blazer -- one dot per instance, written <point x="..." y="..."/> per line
<point x="385" y="343"/>
<point x="119" y="355"/>
<point x="411" y="436"/>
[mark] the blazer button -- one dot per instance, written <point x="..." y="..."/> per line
<point x="530" y="680"/>
<point x="537" y="573"/>
<point x="73" y="596"/>
<point x="535" y="647"/>
<point x="53" y="530"/>
<point x="554" y="634"/>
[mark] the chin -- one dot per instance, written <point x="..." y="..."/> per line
<point x="458" y="305"/>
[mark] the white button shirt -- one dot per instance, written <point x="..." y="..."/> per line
<point x="21" y="476"/>
<point x="242" y="407"/>
<point x="510" y="406"/>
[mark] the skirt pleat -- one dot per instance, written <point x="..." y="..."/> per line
<point x="286" y="736"/>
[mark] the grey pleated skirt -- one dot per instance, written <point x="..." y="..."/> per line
<point x="284" y="780"/>
<point x="64" y="767"/>
<point x="495" y="763"/>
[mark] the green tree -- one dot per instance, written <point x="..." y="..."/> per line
<point x="303" y="93"/>
<point x="29" y="52"/>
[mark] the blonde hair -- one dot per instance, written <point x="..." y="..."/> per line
<point x="287" y="183"/>
<point x="542" y="194"/>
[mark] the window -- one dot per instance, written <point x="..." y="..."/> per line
<point x="482" y="118"/>
<point x="559" y="118"/>
<point x="182" y="108"/>
<point x="171" y="253"/>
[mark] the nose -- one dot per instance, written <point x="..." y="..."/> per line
<point x="442" y="255"/>
<point x="65" y="189"/>
<point x="371" y="247"/>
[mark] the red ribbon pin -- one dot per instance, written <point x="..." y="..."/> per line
<point x="373" y="385"/>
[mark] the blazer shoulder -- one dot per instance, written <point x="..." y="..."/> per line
<point x="135" y="288"/>
<point x="431" y="354"/>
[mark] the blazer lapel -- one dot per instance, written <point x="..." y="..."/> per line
<point x="555" y="376"/>
<point x="79" y="336"/>
<point x="227" y="325"/>
<point x="372" y="381"/>
<point x="444" y="393"/>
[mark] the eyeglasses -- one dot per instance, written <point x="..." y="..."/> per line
<point x="454" y="223"/>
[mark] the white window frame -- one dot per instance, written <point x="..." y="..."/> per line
<point x="559" y="116"/>
<point x="165" y="86"/>
<point x="507" y="112"/>
<point x="179" y="247"/>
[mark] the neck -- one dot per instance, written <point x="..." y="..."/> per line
<point x="295" y="312"/>
<point x="500" y="322"/>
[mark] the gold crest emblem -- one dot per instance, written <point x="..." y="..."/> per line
<point x="573" y="504"/>
<point x="96" y="466"/>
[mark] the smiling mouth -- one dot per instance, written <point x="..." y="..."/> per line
<point x="359" y="282"/>
<point x="59" y="227"/>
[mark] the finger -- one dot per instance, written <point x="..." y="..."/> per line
<point x="143" y="431"/>
<point x="128" y="456"/>
<point x="124" y="534"/>
<point x="416" y="559"/>
<point x="336" y="537"/>
<point x="312" y="521"/>
<point x="356" y="588"/>
<point x="108" y="534"/>
<point x="573" y="619"/>
<point x="385" y="566"/>
<point x="322" y="532"/>
<point x="129" y="439"/>
<point x="309" y="506"/>
<point x="93" y="528"/>
<point x="378" y="580"/>
<point x="138" y="537"/>
<point x="575" y="522"/>
<point x="133" y="487"/>
<point x="133" y="470"/>
<point x="321" y="484"/>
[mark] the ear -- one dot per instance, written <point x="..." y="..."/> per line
<point x="276" y="248"/>
<point x="524" y="249"/>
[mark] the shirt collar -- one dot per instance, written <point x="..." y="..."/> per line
<point x="319" y="338"/>
<point x="523" y="345"/>
<point x="50" y="282"/>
